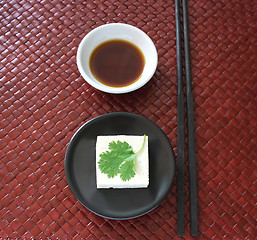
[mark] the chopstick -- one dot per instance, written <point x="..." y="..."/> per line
<point x="190" y="127"/>
<point x="180" y="128"/>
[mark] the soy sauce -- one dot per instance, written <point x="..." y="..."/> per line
<point x="116" y="63"/>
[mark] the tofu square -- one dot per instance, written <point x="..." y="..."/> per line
<point x="141" y="178"/>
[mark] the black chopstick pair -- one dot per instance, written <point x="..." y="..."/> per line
<point x="181" y="126"/>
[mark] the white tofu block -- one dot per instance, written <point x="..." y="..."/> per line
<point x="141" y="178"/>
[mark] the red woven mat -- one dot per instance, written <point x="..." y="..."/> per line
<point x="44" y="100"/>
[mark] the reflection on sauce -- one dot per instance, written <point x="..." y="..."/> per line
<point x="116" y="63"/>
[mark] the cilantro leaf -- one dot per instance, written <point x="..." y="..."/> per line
<point x="122" y="149"/>
<point x="111" y="168"/>
<point x="127" y="170"/>
<point x="120" y="159"/>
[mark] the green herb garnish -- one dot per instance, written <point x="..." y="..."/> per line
<point x="120" y="159"/>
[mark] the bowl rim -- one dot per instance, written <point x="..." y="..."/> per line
<point x="117" y="90"/>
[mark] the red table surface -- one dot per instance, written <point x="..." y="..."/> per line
<point x="44" y="100"/>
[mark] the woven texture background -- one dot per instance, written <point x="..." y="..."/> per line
<point x="44" y="100"/>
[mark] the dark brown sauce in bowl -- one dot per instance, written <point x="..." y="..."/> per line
<point x="117" y="63"/>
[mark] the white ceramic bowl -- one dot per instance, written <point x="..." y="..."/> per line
<point x="123" y="32"/>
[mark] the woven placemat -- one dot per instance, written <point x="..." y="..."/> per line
<point x="44" y="100"/>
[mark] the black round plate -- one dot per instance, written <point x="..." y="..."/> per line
<point x="80" y="169"/>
